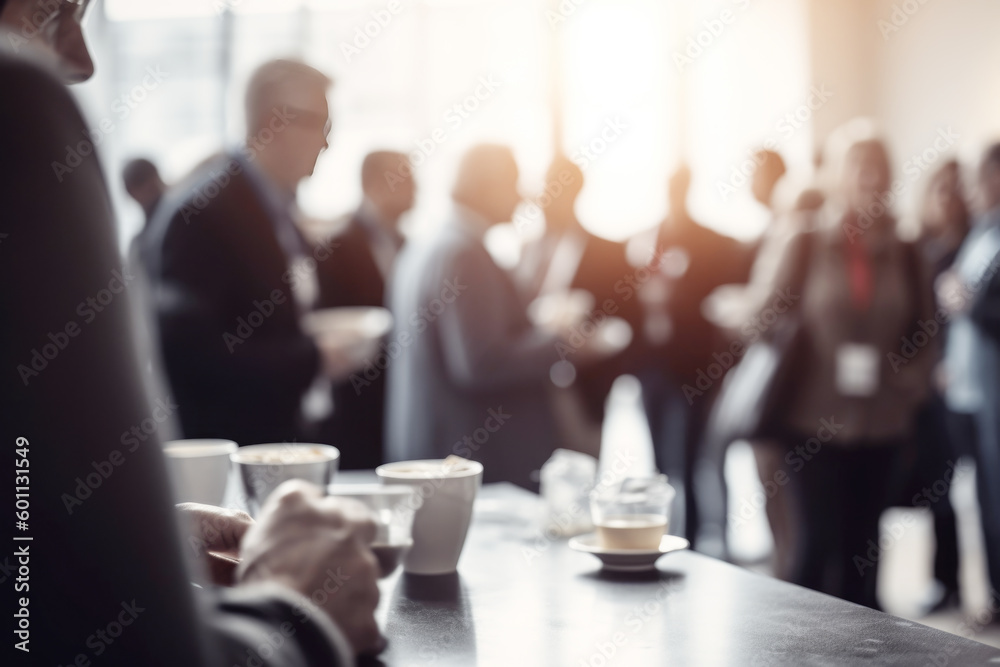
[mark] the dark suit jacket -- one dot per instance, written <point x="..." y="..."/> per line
<point x="605" y="272"/>
<point x="984" y="312"/>
<point x="472" y="374"/>
<point x="104" y="548"/>
<point x="712" y="260"/>
<point x="231" y="343"/>
<point x="352" y="278"/>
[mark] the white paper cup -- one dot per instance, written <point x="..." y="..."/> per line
<point x="443" y="503"/>
<point x="262" y="468"/>
<point x="199" y="469"/>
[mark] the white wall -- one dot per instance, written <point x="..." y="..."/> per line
<point x="937" y="70"/>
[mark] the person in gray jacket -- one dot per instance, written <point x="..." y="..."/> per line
<point x="471" y="373"/>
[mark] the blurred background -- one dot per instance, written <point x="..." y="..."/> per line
<point x="628" y="89"/>
<point x="662" y="80"/>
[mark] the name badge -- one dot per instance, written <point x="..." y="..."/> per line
<point x="857" y="369"/>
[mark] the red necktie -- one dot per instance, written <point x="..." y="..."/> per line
<point x="859" y="272"/>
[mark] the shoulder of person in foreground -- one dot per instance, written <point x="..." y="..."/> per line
<point x="61" y="258"/>
<point x="985" y="310"/>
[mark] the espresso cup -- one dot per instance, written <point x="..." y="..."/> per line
<point x="199" y="469"/>
<point x="262" y="468"/>
<point x="443" y="499"/>
<point x="392" y="510"/>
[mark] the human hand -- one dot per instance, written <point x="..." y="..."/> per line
<point x="216" y="530"/>
<point x="318" y="546"/>
<point x="951" y="293"/>
<point x="338" y="356"/>
<point x="604" y="338"/>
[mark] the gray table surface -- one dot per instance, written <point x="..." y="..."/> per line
<point x="521" y="599"/>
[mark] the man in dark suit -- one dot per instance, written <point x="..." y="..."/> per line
<point x="970" y="291"/>
<point x="472" y="375"/>
<point x="568" y="257"/>
<point x="366" y="245"/>
<point x="103" y="575"/>
<point x="690" y="261"/>
<point x="231" y="274"/>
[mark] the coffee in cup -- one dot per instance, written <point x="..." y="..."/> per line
<point x="199" y="469"/>
<point x="445" y="491"/>
<point x="634" y="515"/>
<point x="392" y="509"/>
<point x="262" y="468"/>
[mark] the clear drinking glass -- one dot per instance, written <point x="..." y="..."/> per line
<point x="634" y="514"/>
<point x="392" y="508"/>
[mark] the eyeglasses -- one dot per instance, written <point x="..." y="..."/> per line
<point x="76" y="9"/>
<point x="68" y="9"/>
<point x="68" y="13"/>
<point x="310" y="120"/>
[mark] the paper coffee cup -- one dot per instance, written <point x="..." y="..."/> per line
<point x="443" y="502"/>
<point x="199" y="469"/>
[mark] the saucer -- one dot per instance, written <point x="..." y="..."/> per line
<point x="627" y="560"/>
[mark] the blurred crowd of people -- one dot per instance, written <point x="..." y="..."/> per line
<point x="889" y="348"/>
<point x="888" y="344"/>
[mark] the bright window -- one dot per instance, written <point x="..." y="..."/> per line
<point x="598" y="77"/>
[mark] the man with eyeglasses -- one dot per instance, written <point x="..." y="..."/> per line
<point x="232" y="275"/>
<point x="96" y="572"/>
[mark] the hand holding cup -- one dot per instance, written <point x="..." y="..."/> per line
<point x="318" y="546"/>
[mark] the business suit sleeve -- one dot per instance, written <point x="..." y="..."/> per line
<point x="104" y="555"/>
<point x="193" y="304"/>
<point x="487" y="341"/>
<point x="270" y="626"/>
<point x="985" y="309"/>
